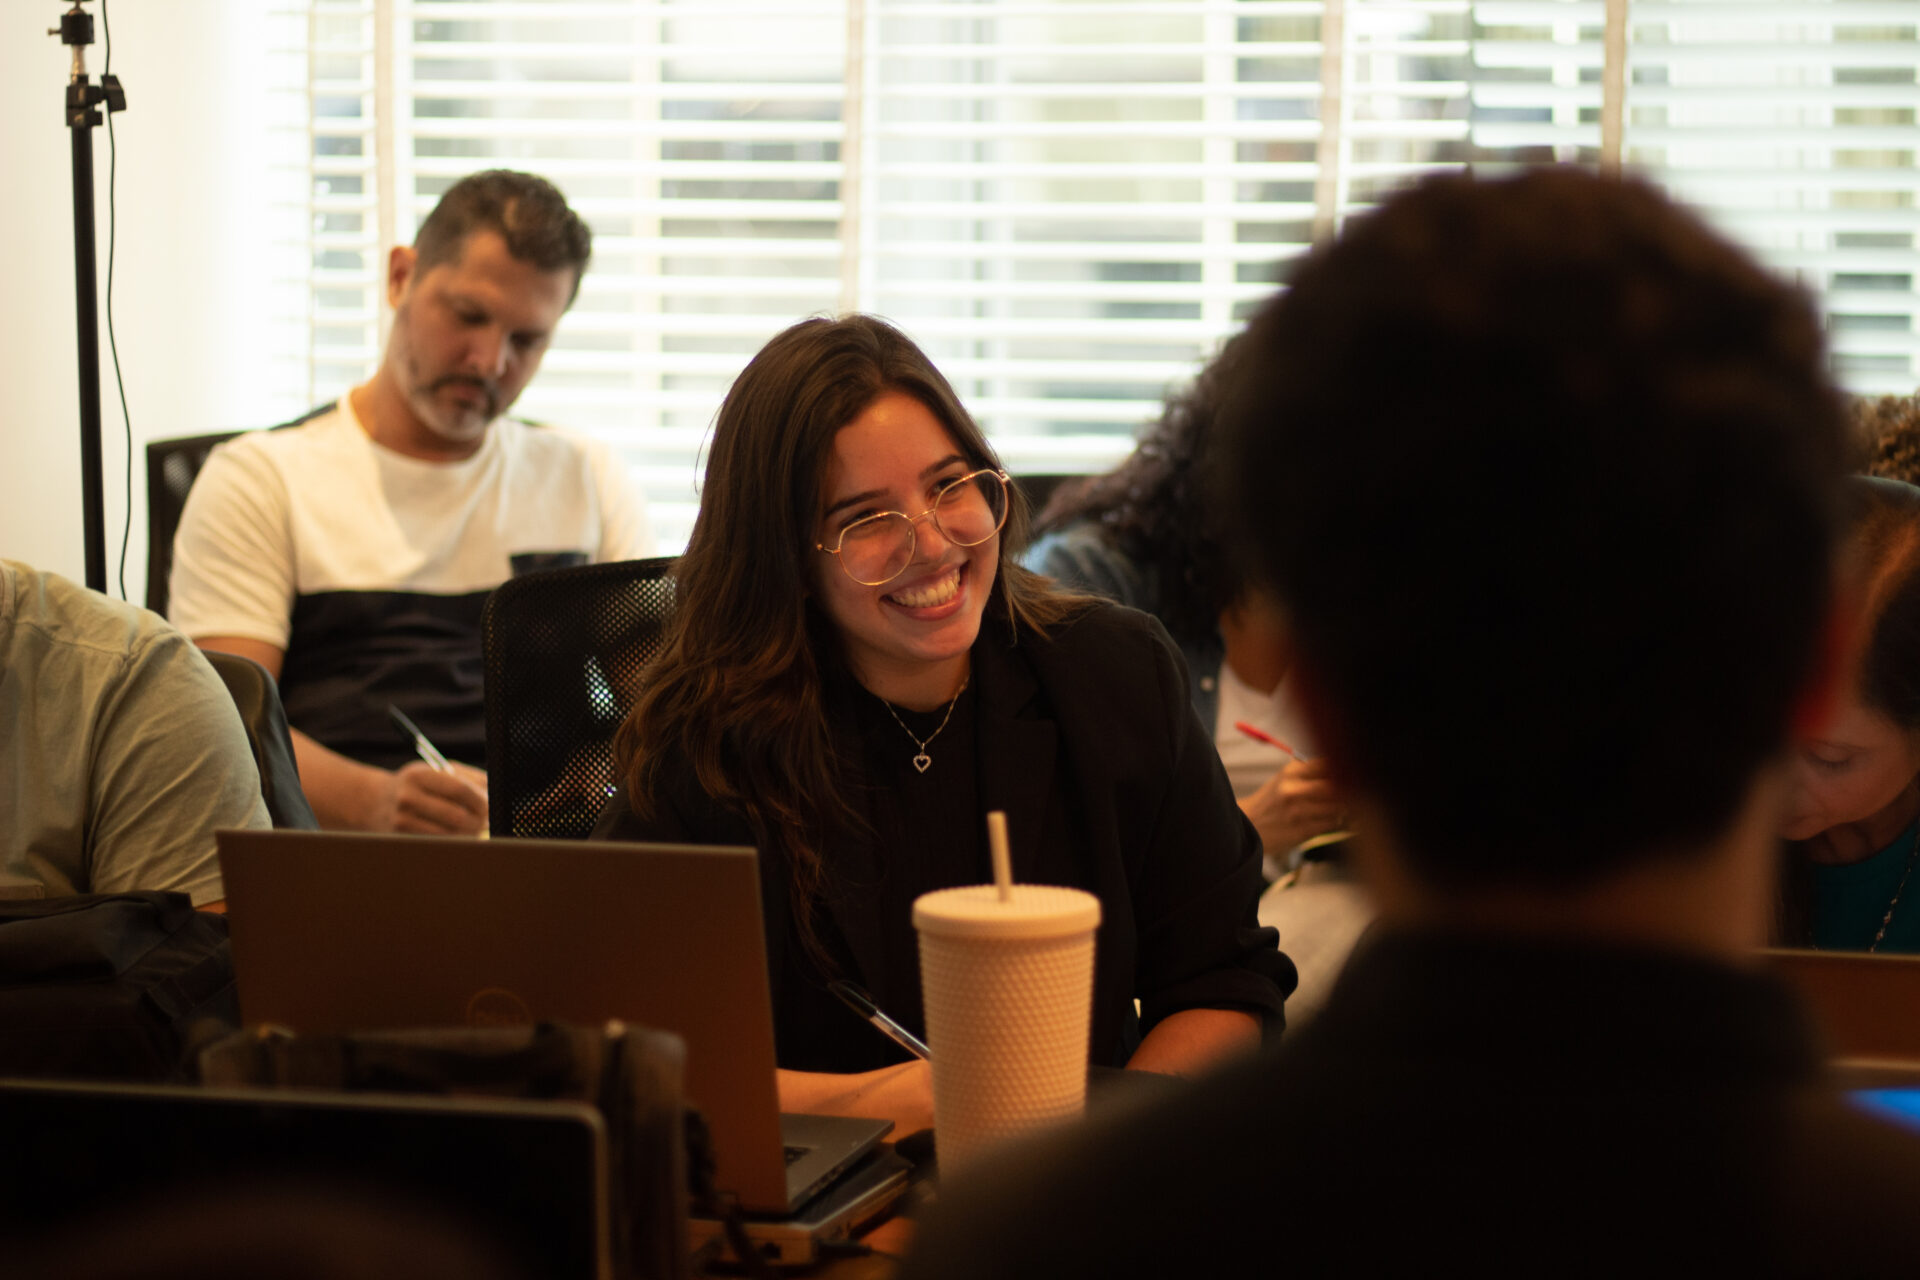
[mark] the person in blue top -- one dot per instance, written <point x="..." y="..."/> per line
<point x="1854" y="821"/>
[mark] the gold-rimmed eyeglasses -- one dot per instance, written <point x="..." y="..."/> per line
<point x="876" y="549"/>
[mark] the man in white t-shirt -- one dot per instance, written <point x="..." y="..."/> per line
<point x="351" y="554"/>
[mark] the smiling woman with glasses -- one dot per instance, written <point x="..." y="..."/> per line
<point x="859" y="670"/>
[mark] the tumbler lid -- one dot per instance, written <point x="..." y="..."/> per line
<point x="1036" y="911"/>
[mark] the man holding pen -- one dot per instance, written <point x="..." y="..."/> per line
<point x="351" y="555"/>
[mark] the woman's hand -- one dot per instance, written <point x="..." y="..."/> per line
<point x="902" y="1094"/>
<point x="1294" y="805"/>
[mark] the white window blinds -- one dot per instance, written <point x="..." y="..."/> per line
<point x="1067" y="202"/>
<point x="1790" y="124"/>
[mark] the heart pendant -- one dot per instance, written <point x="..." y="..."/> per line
<point x="921" y="761"/>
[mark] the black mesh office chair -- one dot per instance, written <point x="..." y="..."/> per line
<point x="565" y="653"/>
<point x="172" y="467"/>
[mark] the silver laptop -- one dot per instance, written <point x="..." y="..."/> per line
<point x="338" y="931"/>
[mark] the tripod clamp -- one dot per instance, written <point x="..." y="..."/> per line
<point x="76" y="29"/>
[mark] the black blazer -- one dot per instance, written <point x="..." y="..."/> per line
<point x="1086" y="738"/>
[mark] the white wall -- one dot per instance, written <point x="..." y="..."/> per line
<point x="185" y="304"/>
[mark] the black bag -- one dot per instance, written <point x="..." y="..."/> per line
<point x="632" y="1074"/>
<point x="110" y="986"/>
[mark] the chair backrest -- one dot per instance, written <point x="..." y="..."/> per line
<point x="258" y="699"/>
<point x="172" y="467"/>
<point x="566" y="651"/>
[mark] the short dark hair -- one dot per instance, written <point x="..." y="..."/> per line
<point x="1546" y="476"/>
<point x="527" y="211"/>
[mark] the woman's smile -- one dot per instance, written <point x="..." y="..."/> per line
<point x="929" y="593"/>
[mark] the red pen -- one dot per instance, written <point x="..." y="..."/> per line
<point x="1261" y="735"/>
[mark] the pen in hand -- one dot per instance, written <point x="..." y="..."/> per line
<point x="421" y="746"/>
<point x="1261" y="735"/>
<point x="862" y="1003"/>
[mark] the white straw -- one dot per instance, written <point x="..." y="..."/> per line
<point x="1002" y="860"/>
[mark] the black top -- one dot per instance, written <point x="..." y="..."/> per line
<point x="1478" y="1106"/>
<point x="928" y="834"/>
<point x="1086" y="739"/>
<point x="351" y="654"/>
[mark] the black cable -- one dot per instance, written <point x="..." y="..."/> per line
<point x="113" y="224"/>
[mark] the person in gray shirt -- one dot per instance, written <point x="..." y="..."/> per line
<point x="121" y="752"/>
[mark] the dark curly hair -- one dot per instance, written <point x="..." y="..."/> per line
<point x="1889" y="432"/>
<point x="1158" y="509"/>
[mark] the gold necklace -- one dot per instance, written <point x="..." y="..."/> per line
<point x="923" y="760"/>
<point x="1912" y="854"/>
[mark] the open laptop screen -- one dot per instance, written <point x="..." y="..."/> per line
<point x="525" y="1180"/>
<point x="337" y="931"/>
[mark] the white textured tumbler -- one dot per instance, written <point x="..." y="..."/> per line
<point x="1008" y="988"/>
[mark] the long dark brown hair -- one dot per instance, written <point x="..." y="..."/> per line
<point x="737" y="692"/>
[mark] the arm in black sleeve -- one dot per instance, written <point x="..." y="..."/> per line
<point x="1198" y="884"/>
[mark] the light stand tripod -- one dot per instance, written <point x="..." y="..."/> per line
<point x="83" y="99"/>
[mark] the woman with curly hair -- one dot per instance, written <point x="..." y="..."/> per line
<point x="1147" y="535"/>
<point x="858" y="671"/>
<point x="1889" y="432"/>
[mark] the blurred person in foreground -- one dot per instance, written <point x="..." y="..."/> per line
<point x="1572" y="465"/>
